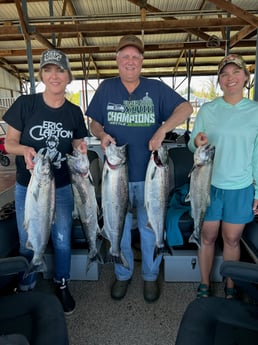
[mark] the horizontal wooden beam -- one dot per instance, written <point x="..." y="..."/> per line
<point x="111" y="49"/>
<point x="105" y="27"/>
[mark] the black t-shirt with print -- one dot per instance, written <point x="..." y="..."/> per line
<point x="46" y="128"/>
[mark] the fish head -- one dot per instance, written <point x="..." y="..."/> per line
<point x="204" y="154"/>
<point x="116" y="155"/>
<point x="78" y="162"/>
<point x="160" y="156"/>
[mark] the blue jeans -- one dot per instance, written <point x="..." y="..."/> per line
<point x="60" y="233"/>
<point x="150" y="268"/>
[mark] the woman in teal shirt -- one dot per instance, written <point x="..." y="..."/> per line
<point x="230" y="123"/>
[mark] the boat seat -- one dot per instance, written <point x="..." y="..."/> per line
<point x="218" y="321"/>
<point x="35" y="316"/>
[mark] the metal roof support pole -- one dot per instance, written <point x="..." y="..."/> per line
<point x="29" y="51"/>
<point x="256" y="71"/>
<point x="31" y="68"/>
<point x="227" y="47"/>
<point x="143" y="8"/>
<point x="51" y="14"/>
<point x="189" y="75"/>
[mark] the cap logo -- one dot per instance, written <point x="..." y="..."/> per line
<point x="55" y="57"/>
<point x="232" y="58"/>
<point x="52" y="55"/>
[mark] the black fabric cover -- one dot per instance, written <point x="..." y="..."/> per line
<point x="181" y="163"/>
<point x="36" y="315"/>
<point x="217" y="321"/>
<point x="13" y="265"/>
<point x="244" y="274"/>
<point x="236" y="270"/>
<point x="250" y="236"/>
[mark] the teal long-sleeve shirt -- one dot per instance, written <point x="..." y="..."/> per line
<point x="233" y="130"/>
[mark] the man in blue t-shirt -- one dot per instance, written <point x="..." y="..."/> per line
<point x="137" y="111"/>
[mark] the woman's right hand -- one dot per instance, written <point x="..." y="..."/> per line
<point x="29" y="154"/>
<point x="201" y="139"/>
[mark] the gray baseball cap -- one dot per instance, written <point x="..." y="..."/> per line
<point x="55" y="57"/>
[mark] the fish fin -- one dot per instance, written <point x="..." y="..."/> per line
<point x="25" y="225"/>
<point x="192" y="169"/>
<point x="75" y="212"/>
<point x="91" y="179"/>
<point x="124" y="261"/>
<point x="148" y="225"/>
<point x="188" y="197"/>
<point x="29" y="245"/>
<point x="104" y="234"/>
<point x="154" y="173"/>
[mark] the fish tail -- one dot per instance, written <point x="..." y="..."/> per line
<point x="42" y="267"/>
<point x="159" y="251"/>
<point x="194" y="238"/>
<point x="124" y="261"/>
<point x="97" y="258"/>
<point x="117" y="259"/>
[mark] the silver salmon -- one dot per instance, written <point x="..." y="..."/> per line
<point x="39" y="210"/>
<point x="115" y="199"/>
<point x="199" y="192"/>
<point x="156" y="193"/>
<point x="86" y="206"/>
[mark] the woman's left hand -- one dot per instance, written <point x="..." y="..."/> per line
<point x="255" y="207"/>
<point x="82" y="146"/>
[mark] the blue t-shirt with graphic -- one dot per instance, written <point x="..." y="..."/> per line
<point x="133" y="118"/>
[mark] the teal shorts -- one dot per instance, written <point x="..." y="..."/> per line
<point x="231" y="206"/>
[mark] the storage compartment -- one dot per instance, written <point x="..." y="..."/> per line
<point x="183" y="266"/>
<point x="78" y="265"/>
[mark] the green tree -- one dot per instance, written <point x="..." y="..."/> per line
<point x="74" y="97"/>
<point x="209" y="90"/>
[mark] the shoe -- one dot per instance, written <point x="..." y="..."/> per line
<point x="203" y="291"/>
<point x="65" y="297"/>
<point x="119" y="289"/>
<point x="151" y="291"/>
<point x="230" y="293"/>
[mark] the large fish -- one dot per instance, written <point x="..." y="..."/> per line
<point x="199" y="193"/>
<point x="156" y="195"/>
<point x="115" y="199"/>
<point x="39" y="210"/>
<point x="86" y="207"/>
